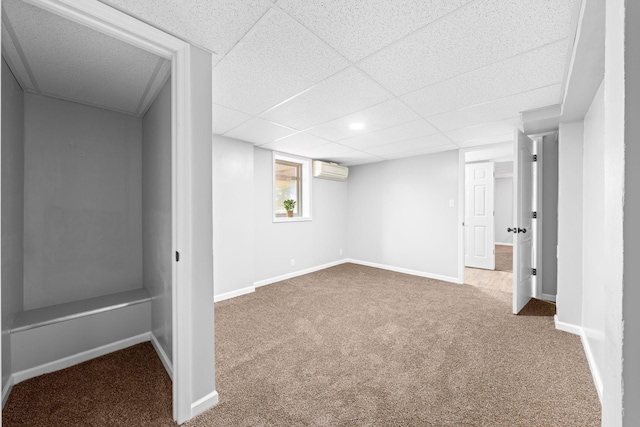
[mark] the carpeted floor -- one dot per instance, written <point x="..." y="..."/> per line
<point x="347" y="346"/>
<point x="504" y="258"/>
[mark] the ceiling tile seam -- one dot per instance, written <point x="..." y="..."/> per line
<point x="314" y="35"/>
<point x="573" y="36"/>
<point x="413" y="151"/>
<point x="249" y="31"/>
<point x="341" y="142"/>
<point x="405" y="104"/>
<point x="493" y="100"/>
<point x="14" y="72"/>
<point x="143" y="99"/>
<point x="542" y="46"/>
<point x="16" y="43"/>
<point x="85" y="103"/>
<point x="483" y="124"/>
<point x="358" y="111"/>
<point x="393" y="43"/>
<point x="303" y="91"/>
<point x="295" y="131"/>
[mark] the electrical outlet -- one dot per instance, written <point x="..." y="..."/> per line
<point x="340" y="252"/>
<point x="451" y="203"/>
<point x="293" y="262"/>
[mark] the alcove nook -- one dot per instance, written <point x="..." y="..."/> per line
<point x="86" y="195"/>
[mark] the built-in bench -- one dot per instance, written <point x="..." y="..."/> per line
<point x="55" y="337"/>
<point x="38" y="317"/>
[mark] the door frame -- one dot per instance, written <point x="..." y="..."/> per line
<point x="461" y="204"/>
<point x="116" y="24"/>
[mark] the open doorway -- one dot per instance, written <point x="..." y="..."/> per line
<point x="488" y="214"/>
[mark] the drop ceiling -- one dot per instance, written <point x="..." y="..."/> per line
<point x="423" y="76"/>
<point x="50" y="55"/>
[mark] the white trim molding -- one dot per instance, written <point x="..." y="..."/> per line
<point x="77" y="358"/>
<point x="549" y="297"/>
<point x="298" y="273"/>
<point x="592" y="363"/>
<point x="203" y="404"/>
<point x="408" y="271"/>
<point x="166" y="362"/>
<point x="233" y="294"/>
<point x="567" y="327"/>
<point x="6" y="390"/>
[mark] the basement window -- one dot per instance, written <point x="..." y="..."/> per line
<point x="291" y="182"/>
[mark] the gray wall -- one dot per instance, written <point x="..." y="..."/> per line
<point x="503" y="203"/>
<point x="83" y="235"/>
<point x="12" y="209"/>
<point x="399" y="213"/>
<point x="549" y="215"/>
<point x="157" y="237"/>
<point x="310" y="243"/>
<point x="233" y="216"/>
<point x="570" y="152"/>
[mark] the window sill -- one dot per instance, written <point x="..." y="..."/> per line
<point x="293" y="219"/>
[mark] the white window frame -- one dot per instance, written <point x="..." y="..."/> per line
<point x="306" y="187"/>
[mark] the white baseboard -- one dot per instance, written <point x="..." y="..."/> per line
<point x="201" y="405"/>
<point x="298" y="273"/>
<point x="567" y="327"/>
<point x="6" y="390"/>
<point x="166" y="362"/>
<point x="407" y="271"/>
<point x="549" y="297"/>
<point x="592" y="363"/>
<point x="233" y="294"/>
<point x="75" y="359"/>
<point x="503" y="244"/>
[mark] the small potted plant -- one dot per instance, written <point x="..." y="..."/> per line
<point x="289" y="205"/>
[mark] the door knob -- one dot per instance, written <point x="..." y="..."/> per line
<point x="522" y="230"/>
<point x="512" y="230"/>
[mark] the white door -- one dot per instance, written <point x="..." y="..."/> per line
<point x="523" y="239"/>
<point x="479" y="216"/>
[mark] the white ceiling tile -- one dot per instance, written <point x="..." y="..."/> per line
<point x="476" y="35"/>
<point x="274" y="61"/>
<point x="422" y="151"/>
<point x="363" y="161"/>
<point x="387" y="114"/>
<point x="342" y="94"/>
<point x="507" y="137"/>
<point x="485" y="130"/>
<point x="214" y="24"/>
<point x="258" y="131"/>
<point x="298" y="143"/>
<point x="359" y="28"/>
<point x="73" y="62"/>
<point x="327" y="152"/>
<point x="505" y="78"/>
<point x="225" y="119"/>
<point x="410" y="130"/>
<point x="355" y="158"/>
<point x="497" y="110"/>
<point x="409" y="145"/>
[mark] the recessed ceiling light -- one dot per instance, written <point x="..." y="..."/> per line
<point x="356" y="126"/>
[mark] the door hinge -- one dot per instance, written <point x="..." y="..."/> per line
<point x="535" y="157"/>
<point x="534" y="215"/>
<point x="177" y="256"/>
<point x="534" y="272"/>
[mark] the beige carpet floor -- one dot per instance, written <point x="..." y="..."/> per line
<point x="504" y="258"/>
<point x="348" y="346"/>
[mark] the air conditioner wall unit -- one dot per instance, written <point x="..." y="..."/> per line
<point x="331" y="171"/>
